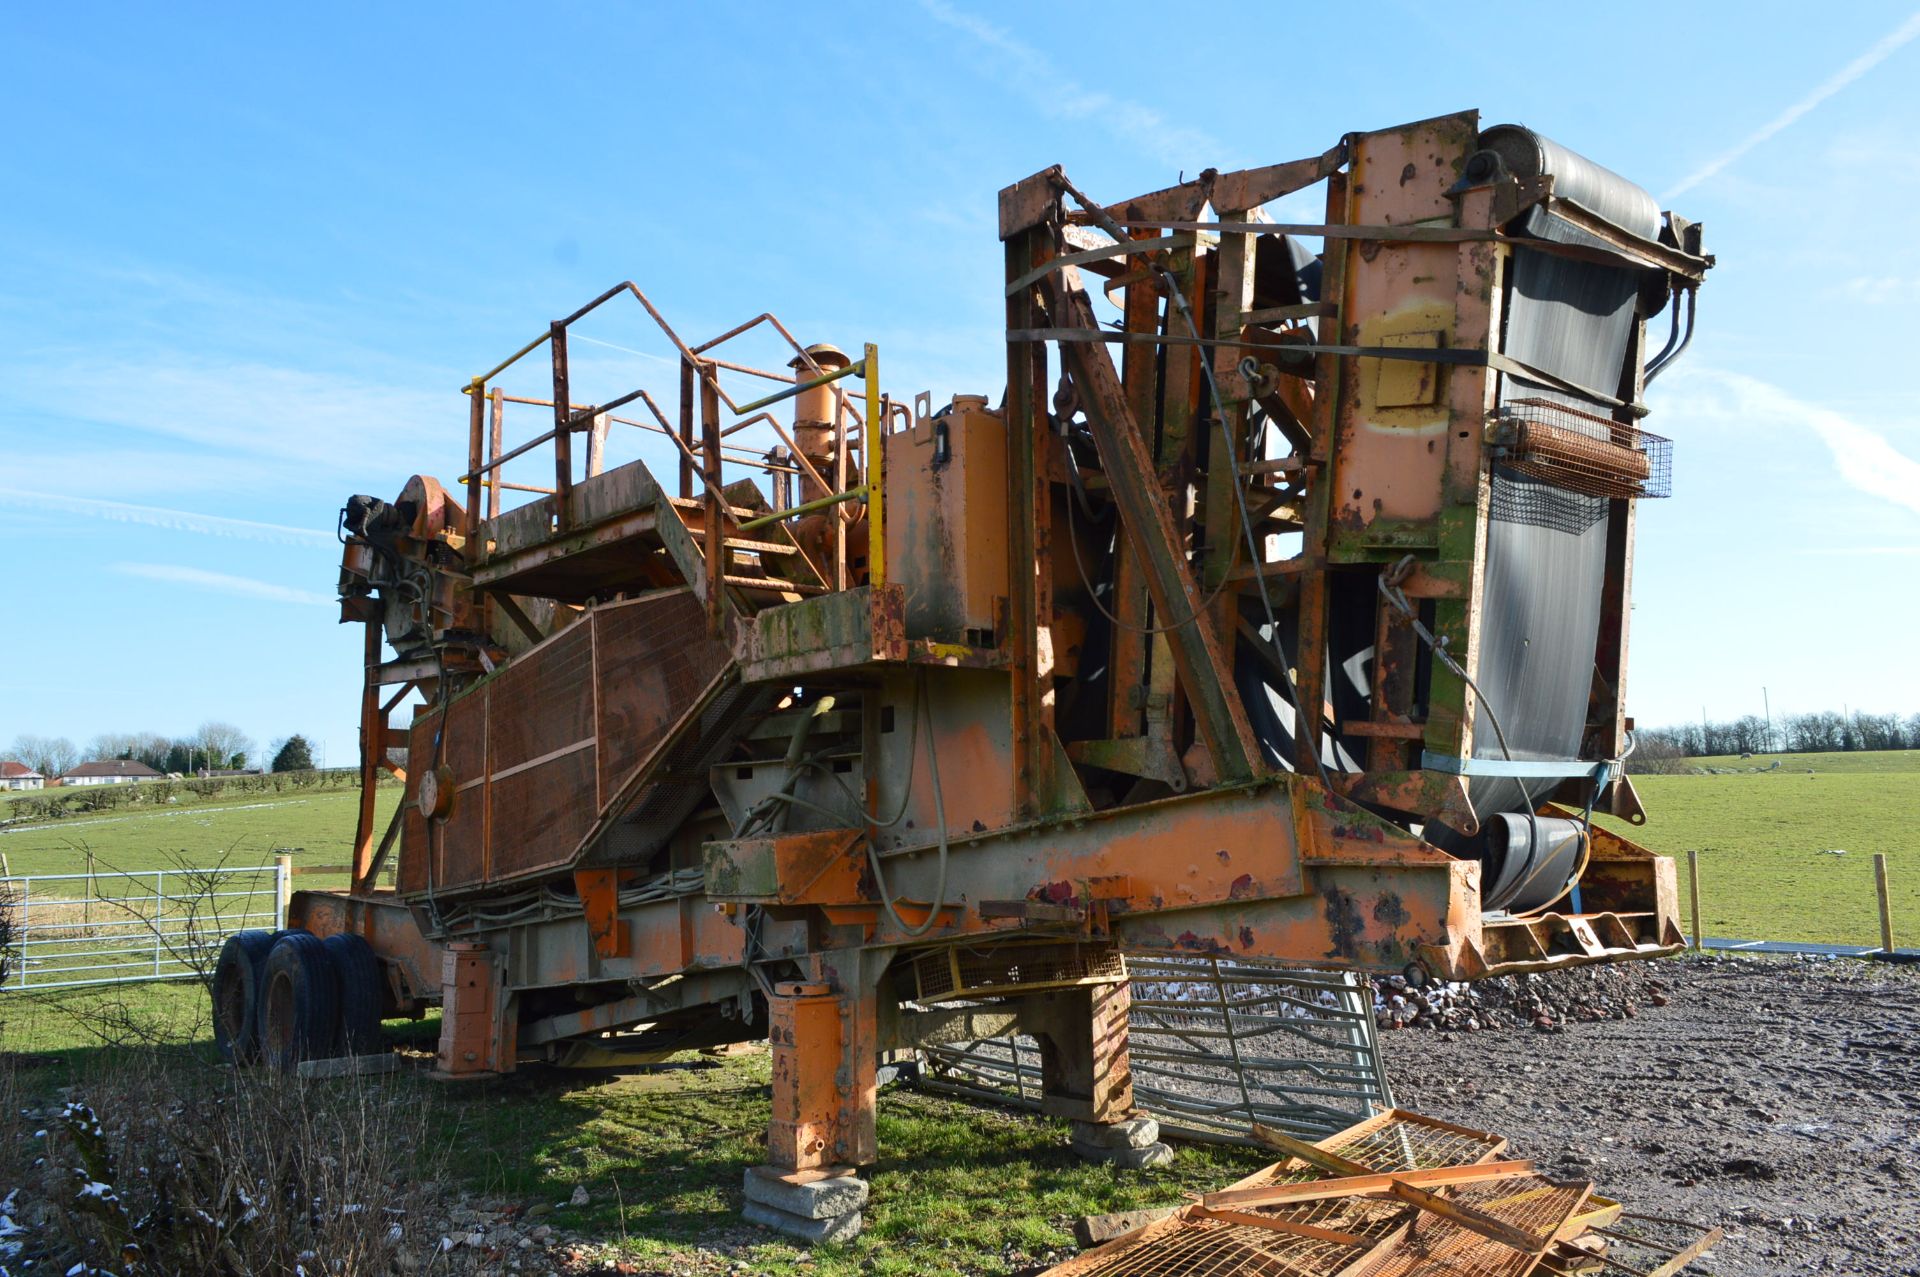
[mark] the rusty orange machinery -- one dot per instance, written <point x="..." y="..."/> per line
<point x="1185" y="645"/>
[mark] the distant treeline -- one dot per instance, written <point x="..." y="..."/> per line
<point x="1823" y="732"/>
<point x="52" y="804"/>
<point x="213" y="746"/>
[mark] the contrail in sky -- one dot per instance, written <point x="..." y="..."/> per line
<point x="1883" y="49"/>
<point x="223" y="583"/>
<point x="172" y="520"/>
<point x="1056" y="94"/>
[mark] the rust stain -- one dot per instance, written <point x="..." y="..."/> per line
<point x="1344" y="924"/>
<point x="1241" y="887"/>
<point x="1054" y="893"/>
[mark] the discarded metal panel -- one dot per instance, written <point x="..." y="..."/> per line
<point x="1399" y="1195"/>
<point x="1217" y="1045"/>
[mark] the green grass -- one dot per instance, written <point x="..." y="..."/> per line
<point x="1878" y="761"/>
<point x="958" y="1187"/>
<point x="244" y="829"/>
<point x="1763" y="839"/>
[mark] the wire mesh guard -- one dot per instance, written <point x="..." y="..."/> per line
<point x="1216" y="1045"/>
<point x="1583" y="452"/>
<point x="955" y="972"/>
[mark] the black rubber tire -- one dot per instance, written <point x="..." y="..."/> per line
<point x="299" y="1002"/>
<point x="237" y="980"/>
<point x="360" y="993"/>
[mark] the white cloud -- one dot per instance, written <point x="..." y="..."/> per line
<point x="328" y="424"/>
<point x="222" y="583"/>
<point x="1056" y="94"/>
<point x="171" y="520"/>
<point x="1881" y="290"/>
<point x="1882" y="49"/>
<point x="1863" y="458"/>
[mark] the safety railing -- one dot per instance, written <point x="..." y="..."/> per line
<point x="708" y="451"/>
<point x="72" y="930"/>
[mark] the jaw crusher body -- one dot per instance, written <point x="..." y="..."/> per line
<point x="1279" y="610"/>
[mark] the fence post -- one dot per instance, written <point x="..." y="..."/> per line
<point x="282" y="886"/>
<point x="159" y="914"/>
<point x="26" y="928"/>
<point x="1886" y="906"/>
<point x="1693" y="889"/>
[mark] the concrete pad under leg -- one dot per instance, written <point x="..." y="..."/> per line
<point x="810" y="1195"/>
<point x="1134" y="1132"/>
<point x="1134" y="1143"/>
<point x="835" y="1228"/>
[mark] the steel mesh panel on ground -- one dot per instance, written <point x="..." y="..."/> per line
<point x="1183" y="1247"/>
<point x="1439" y="1247"/>
<point x="1390" y="1238"/>
<point x="653" y="659"/>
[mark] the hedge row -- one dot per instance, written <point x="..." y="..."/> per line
<point x="76" y="800"/>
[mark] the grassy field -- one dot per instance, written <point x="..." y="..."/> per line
<point x="1765" y="839"/>
<point x="1876" y="761"/>
<point x="959" y="1187"/>
<point x="317" y="825"/>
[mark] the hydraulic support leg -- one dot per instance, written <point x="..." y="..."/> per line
<point x="825" y="1043"/>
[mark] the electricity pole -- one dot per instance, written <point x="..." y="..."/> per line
<point x="1768" y="706"/>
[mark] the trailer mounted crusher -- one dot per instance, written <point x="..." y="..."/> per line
<point x="1277" y="607"/>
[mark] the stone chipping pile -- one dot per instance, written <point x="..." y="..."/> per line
<point x="1545" y="1002"/>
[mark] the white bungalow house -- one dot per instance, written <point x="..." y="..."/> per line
<point x="20" y="776"/>
<point x="110" y="771"/>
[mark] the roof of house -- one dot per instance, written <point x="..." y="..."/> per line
<point x="10" y="770"/>
<point x="114" y="767"/>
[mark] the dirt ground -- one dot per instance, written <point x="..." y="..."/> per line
<point x="1778" y="1098"/>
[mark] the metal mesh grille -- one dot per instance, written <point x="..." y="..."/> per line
<point x="1192" y="1245"/>
<point x="539" y="706"/>
<point x="1018" y="968"/>
<point x="1217" y="1045"/>
<point x="654" y="658"/>
<point x="463" y="752"/>
<point x="1584" y="452"/>
<point x="1438" y="1247"/>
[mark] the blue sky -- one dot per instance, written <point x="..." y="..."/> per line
<point x="248" y="254"/>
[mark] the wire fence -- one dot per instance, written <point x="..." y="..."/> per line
<point x="123" y="927"/>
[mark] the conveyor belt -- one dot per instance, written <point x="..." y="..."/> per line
<point x="1546" y="547"/>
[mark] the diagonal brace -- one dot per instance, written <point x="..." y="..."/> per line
<point x="1198" y="656"/>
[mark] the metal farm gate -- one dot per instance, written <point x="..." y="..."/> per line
<point x="114" y="927"/>
<point x="1217" y="1044"/>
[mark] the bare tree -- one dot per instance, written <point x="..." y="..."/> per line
<point x="221" y="743"/>
<point x="49" y="755"/>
